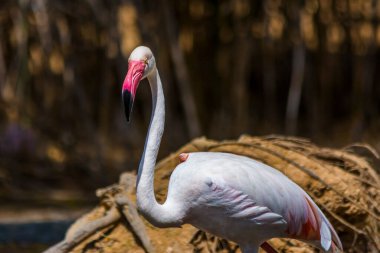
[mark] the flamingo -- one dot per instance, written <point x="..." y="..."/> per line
<point x="230" y="196"/>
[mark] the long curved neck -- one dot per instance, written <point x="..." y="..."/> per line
<point x="146" y="201"/>
<point x="153" y="138"/>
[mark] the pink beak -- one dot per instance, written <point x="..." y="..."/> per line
<point x="130" y="85"/>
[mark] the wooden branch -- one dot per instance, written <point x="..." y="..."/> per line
<point x="240" y="75"/>
<point x="112" y="216"/>
<point x="41" y="14"/>
<point x="295" y="90"/>
<point x="116" y="199"/>
<point x="3" y="66"/>
<point x="297" y="77"/>
<point x="181" y="73"/>
<point x="130" y="213"/>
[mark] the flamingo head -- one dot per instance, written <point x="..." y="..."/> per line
<point x="141" y="63"/>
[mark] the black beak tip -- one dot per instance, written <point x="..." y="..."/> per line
<point x="128" y="103"/>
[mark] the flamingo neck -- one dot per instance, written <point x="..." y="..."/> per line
<point x="146" y="200"/>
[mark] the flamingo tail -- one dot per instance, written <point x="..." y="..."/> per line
<point x="329" y="239"/>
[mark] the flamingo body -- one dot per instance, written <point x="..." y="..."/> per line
<point x="245" y="201"/>
<point x="231" y="196"/>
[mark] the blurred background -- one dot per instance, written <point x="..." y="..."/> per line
<point x="307" y="68"/>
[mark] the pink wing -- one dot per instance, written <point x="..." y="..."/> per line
<point x="305" y="227"/>
<point x="315" y="227"/>
<point x="303" y="218"/>
<point x="239" y="205"/>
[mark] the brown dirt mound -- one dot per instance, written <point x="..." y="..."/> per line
<point x="343" y="182"/>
